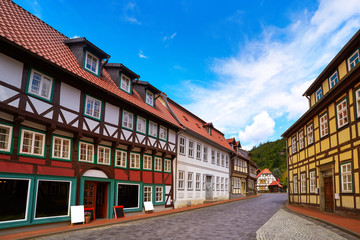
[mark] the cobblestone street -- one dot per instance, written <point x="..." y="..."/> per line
<point x="235" y="220"/>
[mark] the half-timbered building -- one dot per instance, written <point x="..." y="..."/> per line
<point x="323" y="144"/>
<point x="75" y="129"/>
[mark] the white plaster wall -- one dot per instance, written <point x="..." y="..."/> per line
<point x="10" y="70"/>
<point x="70" y="97"/>
<point x="172" y="136"/>
<point x="111" y="114"/>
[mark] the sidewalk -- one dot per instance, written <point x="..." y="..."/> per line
<point x="347" y="224"/>
<point x="107" y="222"/>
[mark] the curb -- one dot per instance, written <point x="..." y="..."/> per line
<point x="111" y="222"/>
<point x="355" y="234"/>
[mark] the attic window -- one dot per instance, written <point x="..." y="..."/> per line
<point x="208" y="129"/>
<point x="91" y="63"/>
<point x="125" y="83"/>
<point x="149" y="98"/>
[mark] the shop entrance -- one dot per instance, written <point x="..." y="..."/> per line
<point x="95" y="196"/>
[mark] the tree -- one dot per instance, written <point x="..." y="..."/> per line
<point x="277" y="173"/>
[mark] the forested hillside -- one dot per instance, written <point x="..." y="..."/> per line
<point x="268" y="155"/>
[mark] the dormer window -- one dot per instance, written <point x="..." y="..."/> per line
<point x="125" y="83"/>
<point x="353" y="60"/>
<point x="208" y="130"/>
<point x="92" y="63"/>
<point x="318" y="94"/>
<point x="149" y="98"/>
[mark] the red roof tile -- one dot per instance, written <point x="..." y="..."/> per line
<point x="29" y="32"/>
<point x="275" y="183"/>
<point x="265" y="171"/>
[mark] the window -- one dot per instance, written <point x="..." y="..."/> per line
<point x="120" y="158"/>
<point x="222" y="184"/>
<point x="333" y="79"/>
<point x="104" y="155"/>
<point x="141" y="125"/>
<point x="135" y="160"/>
<point x="181" y="180"/>
<point x="92" y="63"/>
<point x="312" y="177"/>
<point x="147" y="193"/>
<point x="40" y="85"/>
<point x="149" y="99"/>
<point x="191" y="148"/>
<point x="159" y="192"/>
<point x="324" y="125"/>
<point x="190" y="181"/>
<point x="147" y="163"/>
<point x="217" y="183"/>
<point x="158" y="164"/>
<point x="125" y="83"/>
<point x="205" y="154"/>
<point x="32" y="143"/>
<point x="227" y="161"/>
<point x="198" y="181"/>
<point x="357" y="102"/>
<point x="303" y="182"/>
<point x="198" y="151"/>
<point x="128" y="195"/>
<point x="353" y="60"/>
<point x="92" y="107"/>
<point x="218" y="158"/>
<point x="208" y="130"/>
<point x="127" y="120"/>
<point x="182" y="145"/>
<point x="14" y="195"/>
<point x="152" y="129"/>
<point x="163" y="133"/>
<point x="52" y="198"/>
<point x="222" y="160"/>
<point x="295" y="183"/>
<point x="204" y="182"/>
<point x="212" y="156"/>
<point x="5" y="137"/>
<point x="310" y="134"/>
<point x="301" y="139"/>
<point x="61" y="148"/>
<point x="167" y="165"/>
<point x="293" y="144"/>
<point x="346" y="178"/>
<point x="226" y="184"/>
<point x="86" y="152"/>
<point x="318" y="94"/>
<point x="342" y="115"/>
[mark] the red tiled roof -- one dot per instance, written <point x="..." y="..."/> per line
<point x="275" y="183"/>
<point x="265" y="171"/>
<point x="193" y="122"/>
<point x="30" y="33"/>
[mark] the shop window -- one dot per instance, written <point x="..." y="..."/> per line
<point x="128" y="195"/>
<point x="6" y="132"/>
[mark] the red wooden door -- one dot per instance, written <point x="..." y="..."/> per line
<point x="90" y="194"/>
<point x="329" y="197"/>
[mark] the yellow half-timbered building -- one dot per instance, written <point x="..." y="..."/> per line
<point x="323" y="145"/>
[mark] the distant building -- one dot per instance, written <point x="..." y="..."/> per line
<point x="275" y="186"/>
<point x="264" y="179"/>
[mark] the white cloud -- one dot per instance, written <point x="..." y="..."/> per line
<point x="271" y="74"/>
<point x="141" y="55"/>
<point x="260" y="130"/>
<point x="37" y="9"/>
<point x="129" y="12"/>
<point x="170" y="37"/>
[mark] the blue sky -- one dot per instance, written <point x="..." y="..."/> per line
<point x="242" y="65"/>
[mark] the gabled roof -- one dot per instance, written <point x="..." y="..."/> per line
<point x="275" y="183"/>
<point x="20" y="28"/>
<point x="193" y="123"/>
<point x="265" y="171"/>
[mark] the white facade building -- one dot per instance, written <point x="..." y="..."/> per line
<point x="264" y="179"/>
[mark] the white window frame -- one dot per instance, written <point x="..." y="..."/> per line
<point x="93" y="107"/>
<point x="147" y="193"/>
<point x="198" y="151"/>
<point x="222" y="184"/>
<point x="333" y="79"/>
<point x="203" y="182"/>
<point x="159" y="194"/>
<point x="149" y="98"/>
<point x="227" y="161"/>
<point x="163" y="133"/>
<point x="346" y="178"/>
<point x="226" y="184"/>
<point x="295" y="183"/>
<point x="34" y="135"/>
<point x="222" y="160"/>
<point x="103" y="155"/>
<point x="352" y="63"/>
<point x="318" y="94"/>
<point x="342" y="116"/>
<point x="312" y="181"/>
<point x="191" y="148"/>
<point x="198" y="181"/>
<point x="6" y="139"/>
<point x="310" y="133"/>
<point x="127" y="120"/>
<point x="45" y="89"/>
<point x="218" y="158"/>
<point x="182" y="145"/>
<point x="301" y="140"/>
<point x="357" y="102"/>
<point x="152" y="131"/>
<point x="293" y="144"/>
<point x="205" y="153"/>
<point x="125" y="83"/>
<point x="120" y="158"/>
<point x="141" y="125"/>
<point x="89" y="152"/>
<point x="158" y="164"/>
<point x="167" y="165"/>
<point x="64" y="143"/>
<point x="134" y="160"/>
<point x="147" y="162"/>
<point x="303" y="182"/>
<point x="90" y="57"/>
<point x="217" y="184"/>
<point x="190" y="181"/>
<point x="213" y="156"/>
<point x="324" y="126"/>
<point x="181" y="180"/>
